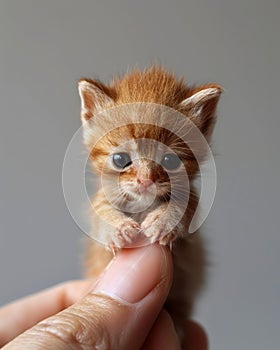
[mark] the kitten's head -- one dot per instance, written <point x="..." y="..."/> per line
<point x="132" y="144"/>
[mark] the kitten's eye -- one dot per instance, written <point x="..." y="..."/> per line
<point x="170" y="161"/>
<point x="121" y="160"/>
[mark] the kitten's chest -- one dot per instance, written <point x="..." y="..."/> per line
<point x="138" y="215"/>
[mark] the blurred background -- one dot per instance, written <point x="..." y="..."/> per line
<point x="46" y="46"/>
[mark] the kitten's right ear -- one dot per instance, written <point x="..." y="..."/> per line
<point x="95" y="97"/>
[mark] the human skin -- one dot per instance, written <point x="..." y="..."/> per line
<point x="121" y="310"/>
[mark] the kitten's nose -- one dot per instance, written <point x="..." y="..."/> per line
<point x="144" y="183"/>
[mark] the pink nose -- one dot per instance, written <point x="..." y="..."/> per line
<point x="145" y="183"/>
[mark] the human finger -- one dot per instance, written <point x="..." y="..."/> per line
<point x="22" y="314"/>
<point x="118" y="313"/>
<point x="196" y="338"/>
<point x="163" y="335"/>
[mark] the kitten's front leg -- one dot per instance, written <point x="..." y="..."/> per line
<point x="163" y="224"/>
<point x="123" y="228"/>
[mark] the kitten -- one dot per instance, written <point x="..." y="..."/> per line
<point x="139" y="160"/>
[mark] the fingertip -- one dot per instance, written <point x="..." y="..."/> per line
<point x="135" y="272"/>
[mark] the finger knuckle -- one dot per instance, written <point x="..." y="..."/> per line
<point x="73" y="330"/>
<point x="88" y="325"/>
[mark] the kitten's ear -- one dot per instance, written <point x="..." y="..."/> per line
<point x="94" y="98"/>
<point x="201" y="107"/>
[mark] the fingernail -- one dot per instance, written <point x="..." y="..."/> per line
<point x="134" y="273"/>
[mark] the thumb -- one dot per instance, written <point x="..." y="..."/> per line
<point x="117" y="314"/>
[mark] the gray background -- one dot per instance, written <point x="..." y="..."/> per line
<point x="46" y="46"/>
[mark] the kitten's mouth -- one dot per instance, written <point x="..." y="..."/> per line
<point x="142" y="192"/>
<point x="151" y="188"/>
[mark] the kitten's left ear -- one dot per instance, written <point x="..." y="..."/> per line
<point x="95" y="97"/>
<point x="201" y="107"/>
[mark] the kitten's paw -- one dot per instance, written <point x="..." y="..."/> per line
<point x="158" y="228"/>
<point x="125" y="233"/>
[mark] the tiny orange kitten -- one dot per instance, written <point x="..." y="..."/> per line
<point x="137" y="172"/>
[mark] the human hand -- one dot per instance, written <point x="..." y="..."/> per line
<point x="121" y="310"/>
